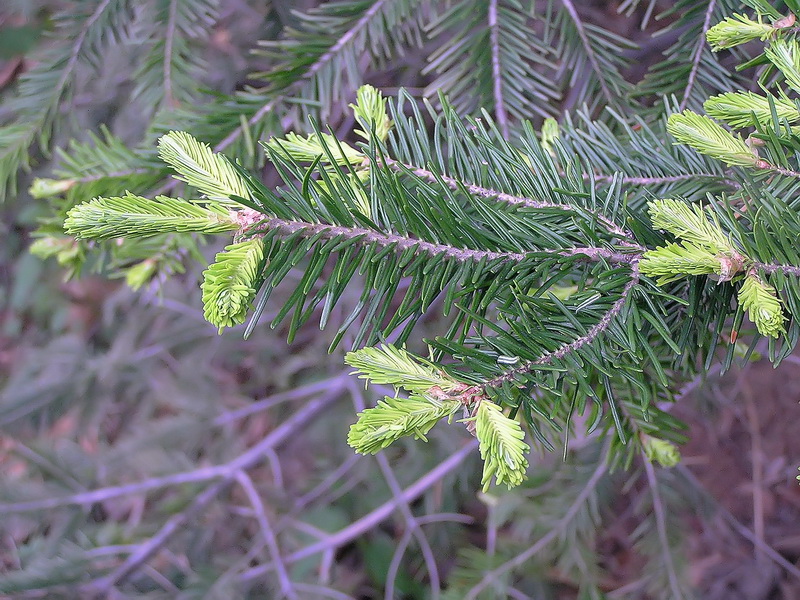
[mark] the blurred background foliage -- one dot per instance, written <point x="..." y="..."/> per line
<point x="144" y="456"/>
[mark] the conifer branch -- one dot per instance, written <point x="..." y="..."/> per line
<point x="596" y="330"/>
<point x="400" y="243"/>
<point x="770" y="268"/>
<point x="661" y="527"/>
<point x="310" y="72"/>
<point x="497" y="77"/>
<point x="666" y="179"/>
<point x="556" y="530"/>
<point x="697" y="55"/>
<point x="455" y="184"/>
<point x="590" y="53"/>
<point x="169" y="40"/>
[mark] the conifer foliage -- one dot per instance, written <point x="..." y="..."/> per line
<point x="494" y="227"/>
<point x="591" y="241"/>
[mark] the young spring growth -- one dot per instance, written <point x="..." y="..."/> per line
<point x="736" y="30"/>
<point x="747" y="109"/>
<point x="370" y="112"/>
<point x="785" y="55"/>
<point x="394" y="418"/>
<point x="434" y="395"/>
<point x="704" y="249"/>
<point x="135" y="216"/>
<point x="502" y="446"/>
<point x="663" y="452"/>
<point x="196" y="164"/>
<point x="549" y="135"/>
<point x="45" y="188"/>
<point x="229" y="283"/>
<point x="691" y="223"/>
<point x="141" y="273"/>
<point x="709" y="137"/>
<point x="675" y="261"/>
<point x="763" y="306"/>
<point x="67" y="251"/>
<point x="315" y="146"/>
<point x="389" y="365"/>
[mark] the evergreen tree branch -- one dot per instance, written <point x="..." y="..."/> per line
<point x="399" y="243"/>
<point x="611" y="99"/>
<point x="169" y="42"/>
<point x="311" y="71"/>
<point x="770" y="268"/>
<point x="455" y="184"/>
<point x="497" y="76"/>
<point x="556" y="530"/>
<point x="596" y="330"/>
<point x="661" y="180"/>
<point x="661" y="526"/>
<point x="697" y="55"/>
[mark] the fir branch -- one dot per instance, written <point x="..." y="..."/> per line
<point x="661" y="526"/>
<point x="785" y="55"/>
<point x="399" y="368"/>
<point x="169" y="43"/>
<point x="600" y="73"/>
<point x="770" y="268"/>
<point x="229" y="283"/>
<point x="47" y="85"/>
<point x="736" y="30"/>
<point x="555" y="531"/>
<point x="747" y="109"/>
<point x="594" y="332"/>
<point x="311" y="72"/>
<point x="171" y="65"/>
<point x="709" y="137"/>
<point x="697" y="55"/>
<point x="497" y="75"/>
<point x="763" y="306"/>
<point x="394" y="418"/>
<point x="455" y="184"/>
<point x="657" y="180"/>
<point x="400" y="243"/>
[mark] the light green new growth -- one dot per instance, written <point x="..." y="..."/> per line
<point x="389" y="365"/>
<point x="691" y="223"/>
<point x="134" y="216"/>
<point x="501" y="439"/>
<point x="201" y="168"/>
<point x="549" y="135"/>
<point x="763" y="306"/>
<point x="502" y="446"/>
<point x="141" y="273"/>
<point x="785" y="55"/>
<point x="674" y="261"/>
<point x="710" y="138"/>
<point x="313" y="147"/>
<point x="66" y="251"/>
<point x="354" y="182"/>
<point x="394" y="418"/>
<point x="46" y="188"/>
<point x="370" y="111"/>
<point x="736" y="30"/>
<point x="229" y="283"/>
<point x="746" y="109"/>
<point x="663" y="452"/>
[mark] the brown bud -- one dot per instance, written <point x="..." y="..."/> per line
<point x="785" y="22"/>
